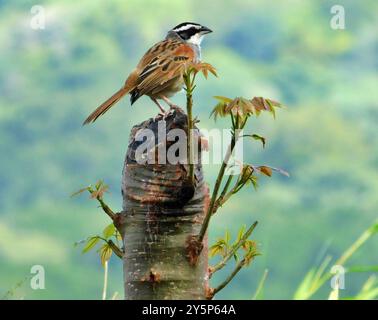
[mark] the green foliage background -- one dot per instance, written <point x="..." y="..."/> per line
<point x="285" y="50"/>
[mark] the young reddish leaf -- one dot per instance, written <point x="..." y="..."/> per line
<point x="265" y="170"/>
<point x="99" y="193"/>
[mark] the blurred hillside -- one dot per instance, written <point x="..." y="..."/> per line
<point x="51" y="79"/>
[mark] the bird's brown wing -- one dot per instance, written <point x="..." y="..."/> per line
<point x="172" y="61"/>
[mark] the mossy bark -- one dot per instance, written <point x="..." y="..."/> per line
<point x="162" y="210"/>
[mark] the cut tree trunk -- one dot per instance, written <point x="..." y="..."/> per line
<point x="162" y="210"/>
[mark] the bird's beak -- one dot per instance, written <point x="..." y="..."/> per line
<point x="206" y="30"/>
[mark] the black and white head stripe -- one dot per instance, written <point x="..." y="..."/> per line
<point x="187" y="25"/>
<point x="188" y="29"/>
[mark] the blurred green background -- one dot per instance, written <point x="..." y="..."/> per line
<point x="51" y="79"/>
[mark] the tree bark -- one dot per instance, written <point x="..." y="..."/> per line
<point x="162" y="211"/>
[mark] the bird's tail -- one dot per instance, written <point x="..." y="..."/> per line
<point x="106" y="105"/>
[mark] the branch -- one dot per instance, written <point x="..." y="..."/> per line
<point x="218" y="183"/>
<point x="106" y="208"/>
<point x="103" y="205"/>
<point x="224" y="195"/>
<point x="117" y="251"/>
<point x="215" y="290"/>
<point x="231" y="253"/>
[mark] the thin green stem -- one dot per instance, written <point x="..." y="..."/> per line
<point x="189" y="84"/>
<point x="224" y="194"/>
<point x="104" y="289"/>
<point x="261" y="285"/>
<point x="104" y="206"/>
<point x="210" y="210"/>
<point x="240" y="265"/>
<point x="218" y="183"/>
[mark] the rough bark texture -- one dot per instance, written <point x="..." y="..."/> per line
<point x="161" y="210"/>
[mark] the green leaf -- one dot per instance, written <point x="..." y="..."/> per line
<point x="374" y="228"/>
<point x="217" y="248"/>
<point x="362" y="269"/>
<point x="105" y="253"/>
<point x="260" y="138"/>
<point x="227" y="237"/>
<point x="109" y="231"/>
<point x="241" y="232"/>
<point x="302" y="293"/>
<point x="118" y="236"/>
<point x="91" y="242"/>
<point x="369" y="290"/>
<point x="223" y="99"/>
<point x="219" y="111"/>
<point x="334" y="295"/>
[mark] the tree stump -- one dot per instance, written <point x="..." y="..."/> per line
<point x="161" y="211"/>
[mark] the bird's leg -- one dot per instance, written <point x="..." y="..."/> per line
<point x="170" y="103"/>
<point x="158" y="104"/>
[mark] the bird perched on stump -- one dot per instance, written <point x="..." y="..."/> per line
<point x="159" y="74"/>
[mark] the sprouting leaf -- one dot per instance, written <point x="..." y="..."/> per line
<point x="99" y="184"/>
<point x="241" y="232"/>
<point x="247" y="177"/>
<point x="261" y="103"/>
<point x="109" y="231"/>
<point x="248" y="245"/>
<point x="250" y="255"/>
<point x="257" y="137"/>
<point x="99" y="192"/>
<point x="265" y="170"/>
<point x="218" y="248"/>
<point x="254" y="180"/>
<point x="80" y="191"/>
<point x="118" y="236"/>
<point x="91" y="242"/>
<point x="219" y="110"/>
<point x="223" y="99"/>
<point x="227" y="237"/>
<point x="105" y="253"/>
<point x="203" y="67"/>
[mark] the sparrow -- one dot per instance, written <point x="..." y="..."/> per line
<point x="159" y="74"/>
